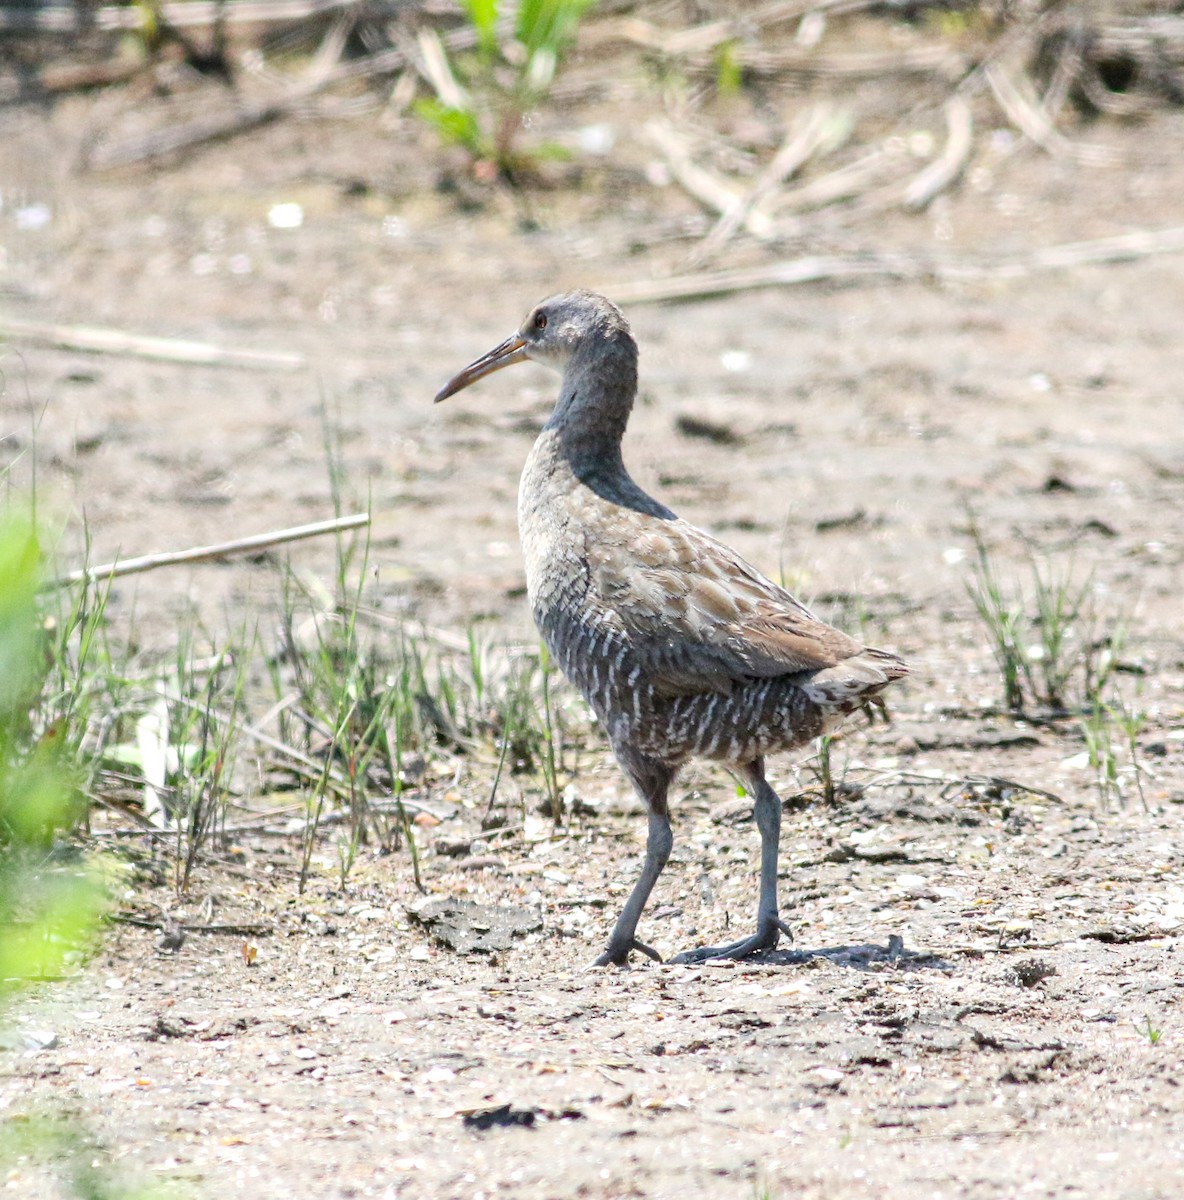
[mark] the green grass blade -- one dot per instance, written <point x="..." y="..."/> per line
<point x="483" y="16"/>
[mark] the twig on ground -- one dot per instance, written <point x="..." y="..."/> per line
<point x="63" y="18"/>
<point x="91" y="339"/>
<point x="950" y="784"/>
<point x="53" y="78"/>
<point x="845" y="182"/>
<point x="967" y="783"/>
<point x="131" y="812"/>
<point x="1121" y="248"/>
<point x="782" y="274"/>
<point x="1016" y="96"/>
<point x="1066" y="73"/>
<point x="708" y="189"/>
<point x="700" y="39"/>
<point x="926" y="186"/>
<point x="259" y="541"/>
<point x="251" y="929"/>
<point x="249" y="116"/>
<point x="937" y="59"/>
<point x="323" y="70"/>
<point x="431" y="60"/>
<point x="192" y="133"/>
<point x="820" y="126"/>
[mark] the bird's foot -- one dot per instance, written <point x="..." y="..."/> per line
<point x="765" y="938"/>
<point x="618" y="956"/>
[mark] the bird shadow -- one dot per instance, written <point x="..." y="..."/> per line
<point x="864" y="957"/>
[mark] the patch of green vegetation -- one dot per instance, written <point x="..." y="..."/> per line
<point x="1131" y="720"/>
<point x="348" y="712"/>
<point x="824" y="768"/>
<point x="50" y="899"/>
<point x="1048" y="639"/>
<point x="366" y="706"/>
<point x="52" y="896"/>
<point x="484" y="99"/>
<point x="58" y="1147"/>
<point x="1057" y="654"/>
<point x="1095" y="728"/>
<point x="729" y="77"/>
<point x="1150" y="1032"/>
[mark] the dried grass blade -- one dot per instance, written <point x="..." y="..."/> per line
<point x="95" y="340"/>
<point x="259" y="541"/>
<point x="697" y="181"/>
<point x="1017" y="98"/>
<point x="940" y="174"/>
<point x="807" y="137"/>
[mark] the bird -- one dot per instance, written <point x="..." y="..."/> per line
<point x="680" y="647"/>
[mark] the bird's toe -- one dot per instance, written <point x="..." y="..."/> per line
<point x="618" y="956"/>
<point x="765" y="938"/>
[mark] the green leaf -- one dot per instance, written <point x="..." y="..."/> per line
<point x="20" y="669"/>
<point x="45" y="910"/>
<point x="728" y="76"/>
<point x="456" y="125"/>
<point x="549" y="24"/>
<point x="35" y="800"/>
<point x="62" y="911"/>
<point x="482" y="16"/>
<point x="552" y="152"/>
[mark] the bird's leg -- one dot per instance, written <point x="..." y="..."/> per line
<point x="766" y="809"/>
<point x="652" y="785"/>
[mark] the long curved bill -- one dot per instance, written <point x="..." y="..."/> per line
<point x="512" y="350"/>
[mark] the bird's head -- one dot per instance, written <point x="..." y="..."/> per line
<point x="554" y="332"/>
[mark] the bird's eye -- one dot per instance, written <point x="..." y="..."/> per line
<point x="540" y="320"/>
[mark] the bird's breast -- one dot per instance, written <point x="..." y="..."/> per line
<point x="553" y="540"/>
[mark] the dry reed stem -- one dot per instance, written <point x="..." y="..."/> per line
<point x="245" y="545"/>
<point x="94" y="340"/>
<point x="807" y="137"/>
<point x="1016" y="96"/>
<point x="940" y="174"/>
<point x="188" y="14"/>
<point x="699" y="183"/>
<point x="1121" y="248"/>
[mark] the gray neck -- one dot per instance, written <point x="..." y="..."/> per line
<point x="589" y="421"/>
<point x="595" y="400"/>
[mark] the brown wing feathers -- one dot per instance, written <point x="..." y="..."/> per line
<point x="701" y="617"/>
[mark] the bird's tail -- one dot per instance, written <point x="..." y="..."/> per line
<point x="856" y="681"/>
